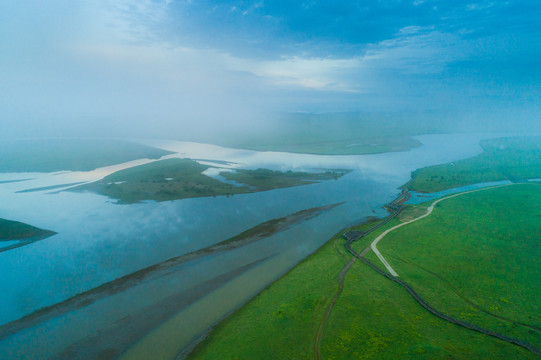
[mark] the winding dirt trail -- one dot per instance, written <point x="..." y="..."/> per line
<point x="319" y="334"/>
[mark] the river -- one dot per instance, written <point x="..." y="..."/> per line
<point x="99" y="241"/>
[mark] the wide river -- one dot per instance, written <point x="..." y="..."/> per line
<point x="99" y="241"/>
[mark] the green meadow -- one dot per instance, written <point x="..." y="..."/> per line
<point x="512" y="159"/>
<point x="474" y="258"/>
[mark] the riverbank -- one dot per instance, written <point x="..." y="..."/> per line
<point x="370" y="318"/>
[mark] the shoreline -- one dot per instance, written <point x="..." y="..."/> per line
<point x="394" y="204"/>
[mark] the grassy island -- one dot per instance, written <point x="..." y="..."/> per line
<point x="14" y="230"/>
<point x="19" y="234"/>
<point x="174" y="179"/>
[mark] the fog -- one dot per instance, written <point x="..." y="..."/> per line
<point x="199" y="69"/>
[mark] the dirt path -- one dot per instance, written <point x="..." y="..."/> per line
<point x="319" y="334"/>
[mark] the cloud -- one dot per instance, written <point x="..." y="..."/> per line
<point x="120" y="65"/>
<point x="309" y="73"/>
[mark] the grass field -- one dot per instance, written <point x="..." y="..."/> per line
<point x="48" y="155"/>
<point x="477" y="258"/>
<point x="376" y="319"/>
<point x="502" y="159"/>
<point x="174" y="179"/>
<point x="14" y="230"/>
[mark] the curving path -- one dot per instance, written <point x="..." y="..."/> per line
<point x="319" y="334"/>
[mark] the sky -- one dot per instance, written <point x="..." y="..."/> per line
<point x="173" y="67"/>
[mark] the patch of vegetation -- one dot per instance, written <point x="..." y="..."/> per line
<point x="512" y="159"/>
<point x="14" y="230"/>
<point x="174" y="179"/>
<point x="49" y="155"/>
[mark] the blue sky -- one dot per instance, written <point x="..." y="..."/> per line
<point x="179" y="63"/>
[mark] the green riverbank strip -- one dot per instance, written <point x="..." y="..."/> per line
<point x="513" y="158"/>
<point x="467" y="259"/>
<point x="174" y="179"/>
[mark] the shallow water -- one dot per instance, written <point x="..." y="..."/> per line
<point x="99" y="240"/>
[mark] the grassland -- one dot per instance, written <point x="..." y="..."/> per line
<point x="476" y="258"/>
<point x="482" y="257"/>
<point x="48" y="155"/>
<point x="174" y="179"/>
<point x="502" y="159"/>
<point x="14" y="230"/>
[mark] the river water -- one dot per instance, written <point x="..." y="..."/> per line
<point x="99" y="241"/>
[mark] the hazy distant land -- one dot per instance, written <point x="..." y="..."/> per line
<point x="346" y="133"/>
<point x="514" y="158"/>
<point x="50" y="155"/>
